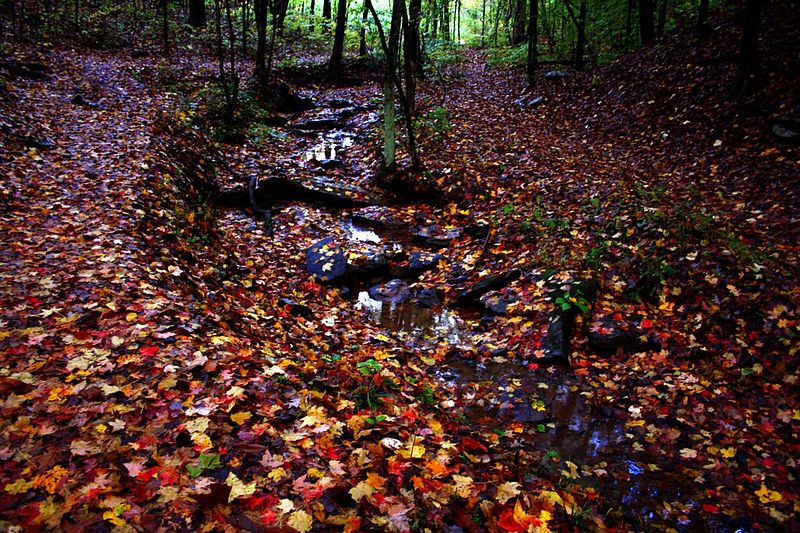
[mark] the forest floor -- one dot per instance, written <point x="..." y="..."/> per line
<point x="168" y="364"/>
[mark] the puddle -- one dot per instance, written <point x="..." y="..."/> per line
<point x="413" y="320"/>
<point x="330" y="145"/>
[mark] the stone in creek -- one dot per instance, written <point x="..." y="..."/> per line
<point x="419" y="262"/>
<point x="394" y="291"/>
<point x="326" y="260"/>
<point x="437" y="237"/>
<point x="295" y="308"/>
<point x="555" y="343"/>
<point x="498" y="302"/>
<point x="377" y="217"/>
<point x="428" y="297"/>
<point x="608" y="335"/>
<point x="472" y="294"/>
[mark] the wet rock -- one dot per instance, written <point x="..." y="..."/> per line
<point x="499" y="302"/>
<point x="555" y="75"/>
<point x="427" y="297"/>
<point x="529" y="102"/>
<point x="40" y="143"/>
<point x="395" y="291"/>
<point x="419" y="262"/>
<point x="556" y="341"/>
<point x="377" y="217"/>
<point x="478" y="230"/>
<point x="318" y="123"/>
<point x="326" y="260"/>
<point x="436" y="236"/>
<point x="608" y="335"/>
<point x="340" y="103"/>
<point x="328" y="164"/>
<point x="295" y="308"/>
<point x="561" y="286"/>
<point x="786" y="129"/>
<point x="333" y="191"/>
<point x="472" y="294"/>
<point x="79" y="99"/>
<point x="375" y="262"/>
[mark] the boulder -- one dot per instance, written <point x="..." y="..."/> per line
<point x="609" y="334"/>
<point x="295" y="309"/>
<point x="437" y="237"/>
<point x="556" y="341"/>
<point x="395" y="291"/>
<point x="555" y="75"/>
<point x="498" y="302"/>
<point x="471" y="295"/>
<point x="786" y="130"/>
<point x="326" y="260"/>
<point x="427" y="297"/>
<point x="377" y="217"/>
<point x="330" y="190"/>
<point x="419" y="262"/>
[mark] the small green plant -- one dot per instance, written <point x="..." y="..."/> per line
<point x="568" y="301"/>
<point x="438" y="120"/>
<point x="427" y="396"/>
<point x="508" y="209"/>
<point x="369" y="367"/>
<point x="206" y="461"/>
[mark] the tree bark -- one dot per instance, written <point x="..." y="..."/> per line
<point x="748" y="51"/>
<point x="338" y="38"/>
<point x="533" y="41"/>
<point x="702" y="21"/>
<point x="413" y="47"/>
<point x="260" y="8"/>
<point x="662" y="16"/>
<point x="518" y="34"/>
<point x="647" y="30"/>
<point x="197" y="13"/>
<point x="580" y="48"/>
<point x="326" y="10"/>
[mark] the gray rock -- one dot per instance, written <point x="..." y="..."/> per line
<point x="472" y="294"/>
<point x="326" y="260"/>
<point x="394" y="291"/>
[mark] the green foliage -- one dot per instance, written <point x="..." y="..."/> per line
<point x="369" y="367"/>
<point x="569" y="301"/>
<point x="508" y="56"/>
<point x="206" y="461"/>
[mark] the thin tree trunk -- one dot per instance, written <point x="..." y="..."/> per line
<point x="581" y="45"/>
<point x="748" y="51"/>
<point x="628" y="24"/>
<point x="326" y="10"/>
<point x="412" y="40"/>
<point x="197" y="13"/>
<point x="533" y="38"/>
<point x="362" y="38"/>
<point x="260" y="12"/>
<point x="165" y="25"/>
<point x="702" y="21"/>
<point x="483" y="23"/>
<point x="662" y="16"/>
<point x="518" y="35"/>
<point x="647" y="29"/>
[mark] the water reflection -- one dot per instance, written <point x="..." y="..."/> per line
<point x="413" y="319"/>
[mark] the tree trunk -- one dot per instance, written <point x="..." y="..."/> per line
<point x="362" y="38"/>
<point x="628" y="24"/>
<point x="533" y="38"/>
<point x="260" y="8"/>
<point x="518" y="34"/>
<point x="326" y="10"/>
<point x="165" y="26"/>
<point x="281" y="7"/>
<point x="389" y="123"/>
<point x="412" y="42"/>
<point x="702" y="21"/>
<point x="444" y="26"/>
<point x="662" y="16"/>
<point x="581" y="45"/>
<point x="748" y="51"/>
<point x="338" y="37"/>
<point x="647" y="30"/>
<point x="197" y="13"/>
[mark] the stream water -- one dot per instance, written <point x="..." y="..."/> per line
<point x="552" y="405"/>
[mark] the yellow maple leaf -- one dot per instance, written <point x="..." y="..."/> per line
<point x="361" y="490"/>
<point x="301" y="521"/>
<point x="506" y="491"/>
<point x="238" y="487"/>
<point x="727" y="453"/>
<point x="276" y="474"/>
<point x="241" y="417"/>
<point x="768" y="496"/>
